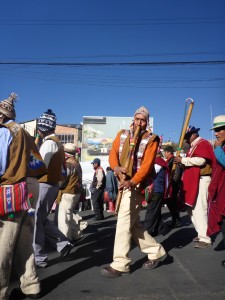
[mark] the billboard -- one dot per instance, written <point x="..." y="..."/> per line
<point x="98" y="134"/>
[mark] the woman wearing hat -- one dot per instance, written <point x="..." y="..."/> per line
<point x="217" y="186"/>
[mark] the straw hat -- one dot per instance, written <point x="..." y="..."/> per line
<point x="70" y="148"/>
<point x="218" y="121"/>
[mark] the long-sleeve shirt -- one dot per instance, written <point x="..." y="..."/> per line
<point x="48" y="149"/>
<point x="193" y="161"/>
<point x="5" y="140"/>
<point x="147" y="161"/>
<point x="100" y="177"/>
<point x="220" y="155"/>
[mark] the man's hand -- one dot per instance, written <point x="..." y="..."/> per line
<point x="177" y="159"/>
<point x="119" y="170"/>
<point x="126" y="184"/>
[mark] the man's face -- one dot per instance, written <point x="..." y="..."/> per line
<point x="220" y="134"/>
<point x="167" y="154"/>
<point x="140" y="120"/>
<point x="189" y="138"/>
<point x="95" y="166"/>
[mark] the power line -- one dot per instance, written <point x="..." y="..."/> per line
<point x="111" y="22"/>
<point x="102" y="64"/>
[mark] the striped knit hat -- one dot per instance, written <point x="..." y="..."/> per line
<point x="47" y="121"/>
<point x="7" y="107"/>
<point x="142" y="110"/>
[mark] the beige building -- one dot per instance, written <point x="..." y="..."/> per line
<point x="68" y="133"/>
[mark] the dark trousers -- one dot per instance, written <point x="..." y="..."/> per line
<point x="172" y="203"/>
<point x="172" y="206"/>
<point x="223" y="230"/>
<point x="97" y="200"/>
<point x="153" y="218"/>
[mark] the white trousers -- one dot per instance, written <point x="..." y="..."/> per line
<point x="68" y="221"/>
<point x="198" y="213"/>
<point x="129" y="227"/>
<point x="16" y="249"/>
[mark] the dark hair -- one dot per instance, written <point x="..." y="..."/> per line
<point x="108" y="169"/>
<point x="168" y="149"/>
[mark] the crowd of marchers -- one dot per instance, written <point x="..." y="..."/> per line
<point x="37" y="174"/>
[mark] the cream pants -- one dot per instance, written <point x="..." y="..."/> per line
<point x="68" y="221"/>
<point x="129" y="227"/>
<point x="16" y="250"/>
<point x="198" y="213"/>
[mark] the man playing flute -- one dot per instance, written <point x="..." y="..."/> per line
<point x="133" y="180"/>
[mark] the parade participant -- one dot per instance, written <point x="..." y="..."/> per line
<point x="111" y="189"/>
<point x="195" y="181"/>
<point x="216" y="199"/>
<point x="52" y="153"/>
<point x="174" y="186"/>
<point x="153" y="217"/>
<point x="139" y="168"/>
<point x="70" y="223"/>
<point x="19" y="158"/>
<point x="97" y="189"/>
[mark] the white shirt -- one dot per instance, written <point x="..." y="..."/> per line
<point x="48" y="149"/>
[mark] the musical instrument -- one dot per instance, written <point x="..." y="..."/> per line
<point x="185" y="126"/>
<point x="187" y="116"/>
<point x="127" y="164"/>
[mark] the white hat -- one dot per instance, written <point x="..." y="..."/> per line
<point x="70" y="148"/>
<point x="218" y="121"/>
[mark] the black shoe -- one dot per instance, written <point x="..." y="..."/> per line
<point x="175" y="224"/>
<point x="220" y="247"/>
<point x="64" y="253"/>
<point x="223" y="263"/>
<point x="18" y="294"/>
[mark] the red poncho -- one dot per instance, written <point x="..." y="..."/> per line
<point x="216" y="199"/>
<point x="190" y="179"/>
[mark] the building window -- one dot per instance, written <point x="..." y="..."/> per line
<point x="66" y="138"/>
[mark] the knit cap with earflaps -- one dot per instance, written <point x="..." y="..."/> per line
<point x="7" y="107"/>
<point x="142" y="110"/>
<point x="47" y="121"/>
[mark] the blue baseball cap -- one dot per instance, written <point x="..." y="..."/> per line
<point x="96" y="161"/>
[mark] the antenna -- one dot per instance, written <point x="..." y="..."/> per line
<point x="212" y="139"/>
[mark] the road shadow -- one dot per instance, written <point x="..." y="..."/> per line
<point x="96" y="249"/>
<point x="179" y="239"/>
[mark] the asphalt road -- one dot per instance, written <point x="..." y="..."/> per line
<point x="187" y="272"/>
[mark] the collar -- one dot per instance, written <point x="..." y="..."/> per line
<point x="195" y="142"/>
<point x="46" y="138"/>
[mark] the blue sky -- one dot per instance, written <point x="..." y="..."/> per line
<point x="94" y="32"/>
